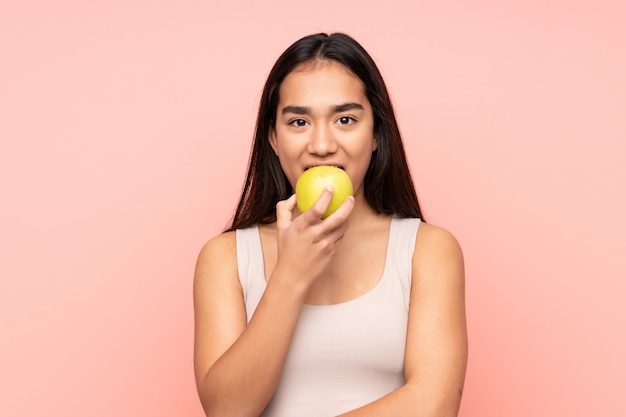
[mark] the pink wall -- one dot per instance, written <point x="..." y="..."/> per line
<point x="125" y="129"/>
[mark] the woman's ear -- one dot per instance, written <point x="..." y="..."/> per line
<point x="272" y="138"/>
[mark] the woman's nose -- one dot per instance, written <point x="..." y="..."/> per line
<point x="322" y="141"/>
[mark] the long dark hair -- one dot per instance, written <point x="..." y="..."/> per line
<point x="388" y="184"/>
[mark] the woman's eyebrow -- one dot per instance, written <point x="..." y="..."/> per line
<point x="346" y="106"/>
<point x="337" y="108"/>
<point x="296" y="110"/>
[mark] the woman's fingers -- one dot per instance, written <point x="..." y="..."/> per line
<point x="344" y="210"/>
<point x="338" y="221"/>
<point x="284" y="211"/>
<point x="315" y="212"/>
<point x="307" y="243"/>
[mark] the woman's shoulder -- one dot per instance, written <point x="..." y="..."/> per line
<point x="220" y="248"/>
<point x="436" y="243"/>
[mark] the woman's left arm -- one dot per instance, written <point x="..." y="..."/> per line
<point x="436" y="346"/>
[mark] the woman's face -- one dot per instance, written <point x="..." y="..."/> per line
<point x="323" y="118"/>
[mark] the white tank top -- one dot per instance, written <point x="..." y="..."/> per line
<point x="344" y="355"/>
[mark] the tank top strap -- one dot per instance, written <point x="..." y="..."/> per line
<point x="250" y="266"/>
<point x="402" y="234"/>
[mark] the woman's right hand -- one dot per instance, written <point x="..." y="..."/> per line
<point x="306" y="243"/>
<point x="238" y="363"/>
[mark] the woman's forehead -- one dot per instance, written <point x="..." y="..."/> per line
<point x="313" y="80"/>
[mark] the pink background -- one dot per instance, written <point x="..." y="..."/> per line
<point x="125" y="129"/>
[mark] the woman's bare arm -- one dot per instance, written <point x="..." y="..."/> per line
<point x="238" y="366"/>
<point x="436" y="349"/>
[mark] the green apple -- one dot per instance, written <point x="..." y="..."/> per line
<point x="312" y="183"/>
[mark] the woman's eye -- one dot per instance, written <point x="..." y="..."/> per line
<point x="298" y="122"/>
<point x="346" y="120"/>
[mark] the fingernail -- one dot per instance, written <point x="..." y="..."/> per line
<point x="329" y="188"/>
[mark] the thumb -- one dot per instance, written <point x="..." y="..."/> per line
<point x="284" y="211"/>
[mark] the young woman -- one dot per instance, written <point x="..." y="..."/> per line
<point x="359" y="314"/>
